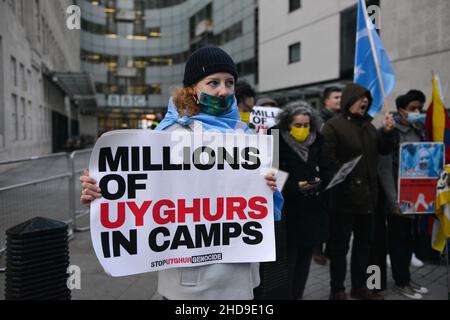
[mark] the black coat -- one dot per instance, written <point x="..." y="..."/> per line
<point x="345" y="139"/>
<point x="306" y="217"/>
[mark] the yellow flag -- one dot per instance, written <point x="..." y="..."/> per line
<point x="441" y="228"/>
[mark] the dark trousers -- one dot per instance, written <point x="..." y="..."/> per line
<point x="379" y="249"/>
<point x="401" y="244"/>
<point x="299" y="262"/>
<point x="342" y="227"/>
<point x="321" y="249"/>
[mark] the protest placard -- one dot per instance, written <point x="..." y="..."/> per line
<point x="420" y="165"/>
<point x="343" y="172"/>
<point x="181" y="199"/>
<point x="264" y="118"/>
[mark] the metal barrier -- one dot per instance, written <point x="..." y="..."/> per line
<point x="79" y="160"/>
<point x="46" y="186"/>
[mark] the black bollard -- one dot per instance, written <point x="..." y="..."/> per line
<point x="37" y="258"/>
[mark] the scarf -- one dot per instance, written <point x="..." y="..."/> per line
<point x="229" y="122"/>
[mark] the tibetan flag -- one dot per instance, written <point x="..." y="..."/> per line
<point x="441" y="228"/>
<point x="437" y="122"/>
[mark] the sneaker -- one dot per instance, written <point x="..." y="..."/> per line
<point x="408" y="292"/>
<point x="388" y="261"/>
<point x="418" y="288"/>
<point x="416" y="262"/>
<point x="365" y="294"/>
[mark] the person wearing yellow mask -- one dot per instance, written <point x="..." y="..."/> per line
<point x="300" y="146"/>
<point x="245" y="96"/>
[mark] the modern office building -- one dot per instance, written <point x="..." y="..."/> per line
<point x="136" y="51"/>
<point x="39" y="62"/>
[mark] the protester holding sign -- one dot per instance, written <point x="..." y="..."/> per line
<point x="206" y="102"/>
<point x="353" y="202"/>
<point x="306" y="218"/>
<point x="402" y="229"/>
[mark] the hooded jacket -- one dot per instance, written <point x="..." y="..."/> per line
<point x="348" y="136"/>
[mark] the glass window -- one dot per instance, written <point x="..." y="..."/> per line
<point x="294" y="5"/>
<point x="23" y="78"/>
<point x="294" y="52"/>
<point x="23" y="119"/>
<point x="30" y="121"/>
<point x="15" y="119"/>
<point x="14" y="71"/>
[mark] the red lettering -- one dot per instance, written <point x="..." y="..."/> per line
<point x="183" y="210"/>
<point x="207" y="210"/>
<point x="169" y="213"/>
<point x="139" y="213"/>
<point x="258" y="204"/>
<point x="232" y="208"/>
<point x="104" y="216"/>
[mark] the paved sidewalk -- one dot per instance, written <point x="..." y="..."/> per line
<point x="433" y="277"/>
<point x="96" y="285"/>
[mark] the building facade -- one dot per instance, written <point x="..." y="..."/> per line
<point x="36" y="115"/>
<point x="311" y="46"/>
<point x="416" y="35"/>
<point x="136" y="51"/>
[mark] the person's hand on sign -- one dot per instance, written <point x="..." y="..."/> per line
<point x="397" y="210"/>
<point x="271" y="181"/>
<point x="388" y="123"/>
<point x="90" y="190"/>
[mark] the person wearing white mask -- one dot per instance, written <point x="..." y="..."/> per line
<point x="402" y="229"/>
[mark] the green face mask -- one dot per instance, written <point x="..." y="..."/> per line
<point x="300" y="134"/>
<point x="214" y="105"/>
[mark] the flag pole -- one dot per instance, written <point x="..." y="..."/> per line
<point x="374" y="53"/>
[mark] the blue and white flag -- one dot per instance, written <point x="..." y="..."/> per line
<point x="372" y="61"/>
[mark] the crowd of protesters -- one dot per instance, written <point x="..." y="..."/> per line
<point x="321" y="225"/>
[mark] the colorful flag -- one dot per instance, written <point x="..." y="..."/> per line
<point x="373" y="70"/>
<point x="437" y="122"/>
<point x="441" y="227"/>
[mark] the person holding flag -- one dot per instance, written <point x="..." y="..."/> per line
<point x="353" y="202"/>
<point x="346" y="137"/>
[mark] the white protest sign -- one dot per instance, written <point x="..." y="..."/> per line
<point x="282" y="177"/>
<point x="264" y="118"/>
<point x="342" y="174"/>
<point x="181" y="199"/>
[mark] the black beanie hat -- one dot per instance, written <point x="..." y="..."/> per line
<point x="206" y="61"/>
